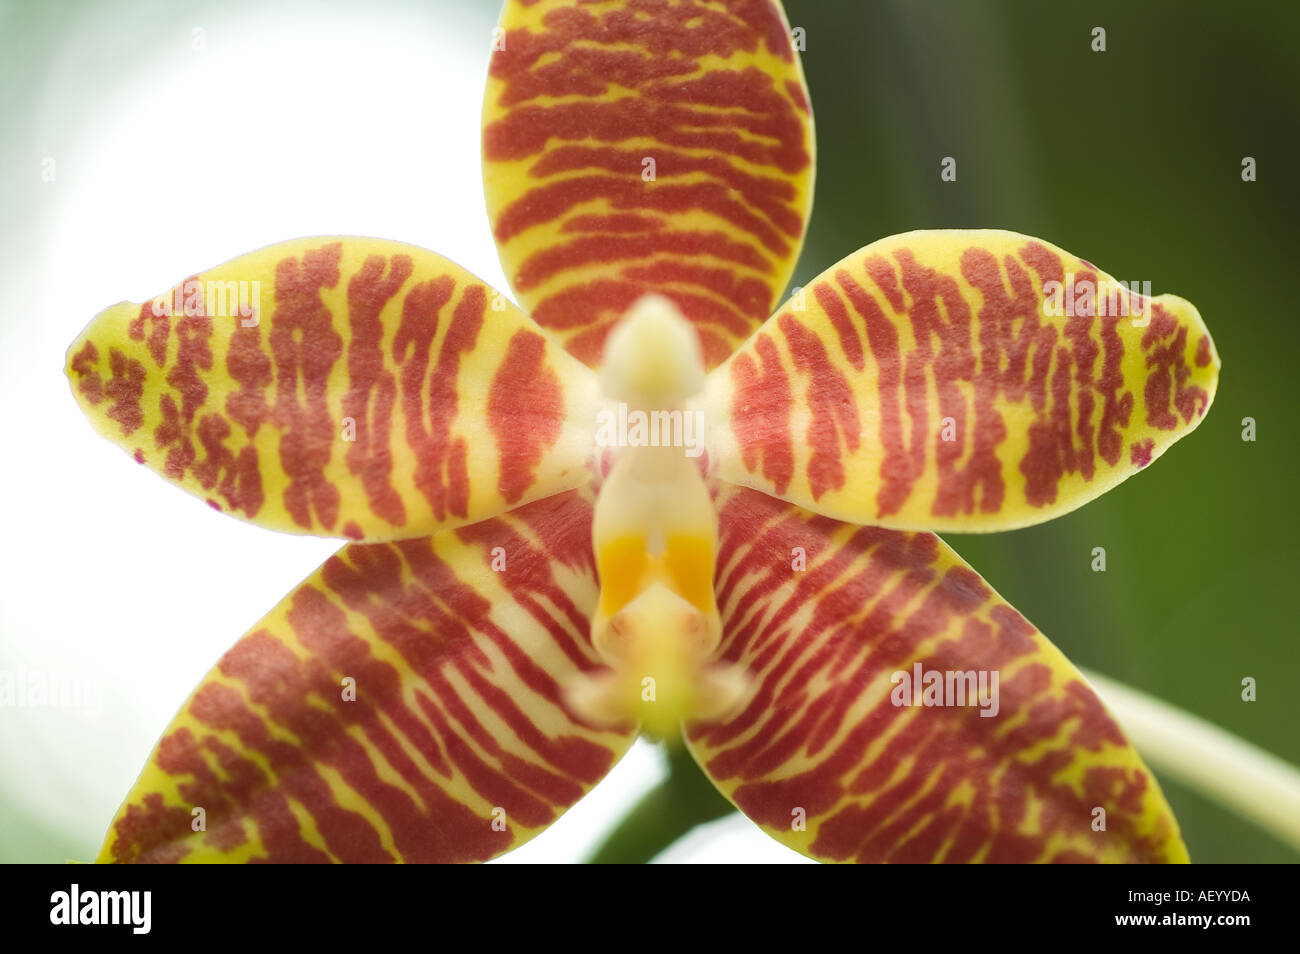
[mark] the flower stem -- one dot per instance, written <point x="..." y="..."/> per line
<point x="671" y="809"/>
<point x="1238" y="775"/>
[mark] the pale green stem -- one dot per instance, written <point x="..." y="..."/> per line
<point x="1242" y="777"/>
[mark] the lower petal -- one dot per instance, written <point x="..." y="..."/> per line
<point x="404" y="703"/>
<point x="1011" y="758"/>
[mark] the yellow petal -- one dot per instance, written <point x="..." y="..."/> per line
<point x="667" y="149"/>
<point x="926" y="382"/>
<point x="899" y="710"/>
<point x="405" y="703"/>
<point x="339" y="386"/>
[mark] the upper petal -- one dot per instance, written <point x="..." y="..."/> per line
<point x="346" y="387"/>
<point x="925" y="382"/>
<point x="643" y="146"/>
<point x="404" y="703"/>
<point x="827" y="756"/>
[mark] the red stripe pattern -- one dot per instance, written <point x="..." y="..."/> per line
<point x="346" y="404"/>
<point x="823" y="759"/>
<point x="581" y="97"/>
<point x="458" y="744"/>
<point x="924" y="382"/>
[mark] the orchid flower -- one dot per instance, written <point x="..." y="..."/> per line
<point x="523" y="593"/>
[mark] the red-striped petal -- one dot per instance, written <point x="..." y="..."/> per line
<point x="962" y="380"/>
<point x="458" y="743"/>
<point x="646" y="146"/>
<point x="823" y="759"/>
<point x="346" y="387"/>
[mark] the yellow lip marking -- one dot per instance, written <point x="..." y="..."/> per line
<point x="656" y="541"/>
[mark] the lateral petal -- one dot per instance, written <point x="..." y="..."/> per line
<point x="924" y="382"/>
<point x="346" y="387"/>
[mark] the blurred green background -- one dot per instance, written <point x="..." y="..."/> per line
<point x="1130" y="158"/>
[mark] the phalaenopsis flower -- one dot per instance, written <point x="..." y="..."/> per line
<point x="749" y="562"/>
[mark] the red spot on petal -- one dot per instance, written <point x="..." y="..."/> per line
<point x="305" y="346"/>
<point x="83" y="365"/>
<point x="760" y="413"/>
<point x="1203" y="351"/>
<point x="525" y="409"/>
